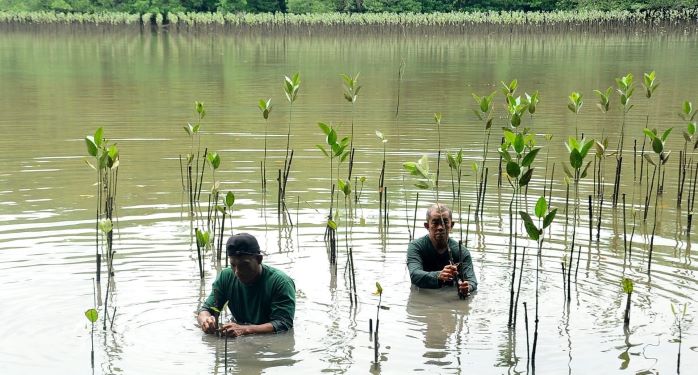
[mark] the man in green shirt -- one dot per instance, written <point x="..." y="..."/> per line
<point x="436" y="260"/>
<point x="261" y="298"/>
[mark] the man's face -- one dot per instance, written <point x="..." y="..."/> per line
<point x="439" y="226"/>
<point x="246" y="267"/>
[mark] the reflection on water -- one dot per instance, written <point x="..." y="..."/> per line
<point x="58" y="87"/>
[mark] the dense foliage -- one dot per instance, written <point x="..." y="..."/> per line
<point x="321" y="6"/>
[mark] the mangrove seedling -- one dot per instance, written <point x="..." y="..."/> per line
<point x="92" y="316"/>
<point x="604" y="99"/>
<point x="335" y="149"/>
<point x="578" y="150"/>
<point x="536" y="234"/>
<point x="203" y="241"/>
<point x="625" y="89"/>
<point x="688" y="115"/>
<point x="679" y="317"/>
<point x="381" y="178"/>
<point x="106" y="163"/>
<point x="658" y="144"/>
<point x="291" y="87"/>
<point x="510" y="89"/>
<point x="351" y="93"/>
<point x="265" y="108"/>
<point x="574" y="105"/>
<point x="379" y="293"/>
<point x="227" y="207"/>
<point x="484" y="113"/>
<point x="627" y="285"/>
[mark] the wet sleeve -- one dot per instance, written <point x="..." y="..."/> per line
<point x="467" y="269"/>
<point x="283" y="306"/>
<point x="216" y="300"/>
<point x="418" y="276"/>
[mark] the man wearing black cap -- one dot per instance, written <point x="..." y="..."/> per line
<point x="261" y="298"/>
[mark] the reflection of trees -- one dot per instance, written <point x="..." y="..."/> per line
<point x="444" y="318"/>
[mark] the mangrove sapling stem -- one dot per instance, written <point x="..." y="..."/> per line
<point x="591" y="221"/>
<point x="650" y="187"/>
<point x="625" y="238"/>
<point x="634" y="159"/>
<point x="201" y="177"/>
<point x="484" y="191"/>
<point x="518" y="288"/>
<point x="414" y="216"/>
<point x="564" y="279"/>
<point x="499" y="175"/>
<point x="528" y="349"/>
<point x="278" y="197"/>
<point x="370" y="327"/>
<point x="198" y="255"/>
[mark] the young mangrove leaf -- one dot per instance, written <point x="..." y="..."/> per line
<point x="567" y="171"/>
<point x="91" y="146"/>
<point x="666" y="133"/>
<point x="91" y="315"/>
<point x="379" y="289"/>
<point x="530" y="157"/>
<point x="531" y="228"/>
<point x="106" y="226"/>
<point x="526" y="177"/>
<point x="576" y="159"/>
<point x="214" y="159"/>
<point x="549" y="218"/>
<point x="229" y="199"/>
<point x="584" y="171"/>
<point x="541" y="207"/>
<point x="513" y="169"/>
<point x="627" y="285"/>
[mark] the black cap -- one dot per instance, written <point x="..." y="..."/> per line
<point x="242" y="244"/>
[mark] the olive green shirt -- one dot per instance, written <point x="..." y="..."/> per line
<point x="270" y="299"/>
<point x="425" y="264"/>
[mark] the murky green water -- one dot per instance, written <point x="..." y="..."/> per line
<point x="58" y="87"/>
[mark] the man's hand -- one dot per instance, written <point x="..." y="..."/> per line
<point x="449" y="272"/>
<point x="233" y="330"/>
<point x="464" y="287"/>
<point x="207" y="322"/>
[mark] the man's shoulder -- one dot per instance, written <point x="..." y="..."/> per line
<point x="277" y="275"/>
<point x="420" y="242"/>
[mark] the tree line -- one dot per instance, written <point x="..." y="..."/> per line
<point x="324" y="6"/>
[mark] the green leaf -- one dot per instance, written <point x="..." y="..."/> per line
<point x="91" y="146"/>
<point x="586" y="145"/>
<point x="214" y="159"/>
<point x="584" y="171"/>
<point x="91" y="315"/>
<point x="657" y="145"/>
<point x="505" y="154"/>
<point x="691" y="127"/>
<point x="325" y="128"/>
<point x="530" y="157"/>
<point x="519" y="143"/>
<point x="526" y="178"/>
<point x="379" y="288"/>
<point x="332" y="224"/>
<point x="474" y="167"/>
<point x="332" y="137"/>
<point x="99" y="137"/>
<point x="549" y="218"/>
<point x="575" y="159"/>
<point x="627" y="285"/>
<point x="515" y="120"/>
<point x="229" y="199"/>
<point x="513" y="169"/>
<point x="541" y="207"/>
<point x="422" y="185"/>
<point x="323" y="150"/>
<point x="531" y="228"/>
<point x="105" y="226"/>
<point x="666" y="133"/>
<point x="649" y="133"/>
<point x="687" y="107"/>
<point x="567" y="171"/>
<point x="649" y="159"/>
<point x="410" y="167"/>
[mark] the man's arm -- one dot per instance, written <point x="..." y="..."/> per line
<point x="418" y="276"/>
<point x="283" y="305"/>
<point x="208" y="314"/>
<point x="235" y="330"/>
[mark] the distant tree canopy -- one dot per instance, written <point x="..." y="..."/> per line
<point x="320" y="6"/>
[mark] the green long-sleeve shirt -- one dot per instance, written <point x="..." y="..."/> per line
<point x="425" y="264"/>
<point x="270" y="299"/>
